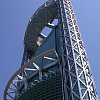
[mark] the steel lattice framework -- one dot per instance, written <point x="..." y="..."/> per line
<point x="77" y="80"/>
<point x="77" y="77"/>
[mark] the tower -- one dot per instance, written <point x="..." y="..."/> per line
<point x="54" y="67"/>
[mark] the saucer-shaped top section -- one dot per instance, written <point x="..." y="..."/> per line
<point x="44" y="15"/>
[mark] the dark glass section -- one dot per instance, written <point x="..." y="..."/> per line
<point x="48" y="89"/>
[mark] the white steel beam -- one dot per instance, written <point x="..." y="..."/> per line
<point x="49" y="25"/>
<point x="51" y="59"/>
<point x="36" y="66"/>
<point x="29" y="69"/>
<point x="20" y="77"/>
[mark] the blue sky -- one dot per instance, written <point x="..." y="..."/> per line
<point x="14" y="17"/>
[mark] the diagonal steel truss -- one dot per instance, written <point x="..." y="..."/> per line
<point x="76" y="75"/>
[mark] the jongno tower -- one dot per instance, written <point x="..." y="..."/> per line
<point x="54" y="66"/>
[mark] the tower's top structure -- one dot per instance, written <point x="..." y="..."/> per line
<point x="40" y="19"/>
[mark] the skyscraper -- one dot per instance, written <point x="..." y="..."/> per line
<point x="54" y="67"/>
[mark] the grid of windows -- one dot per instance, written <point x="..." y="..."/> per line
<point x="48" y="89"/>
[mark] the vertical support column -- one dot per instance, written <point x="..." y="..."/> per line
<point x="40" y="75"/>
<point x="77" y="78"/>
<point x="26" y="84"/>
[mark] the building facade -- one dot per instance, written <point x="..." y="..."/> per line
<point x="54" y="67"/>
